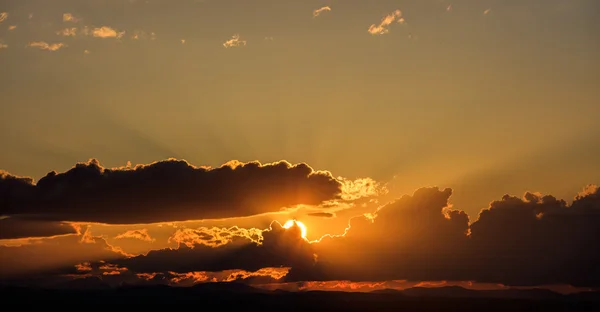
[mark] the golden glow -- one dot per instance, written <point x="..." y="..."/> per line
<point x="301" y="225"/>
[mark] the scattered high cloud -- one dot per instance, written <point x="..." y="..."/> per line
<point x="234" y="42"/>
<point x="107" y="32"/>
<point x="3" y="16"/>
<point x="169" y="190"/>
<point x="12" y="27"/>
<point x="68" y="17"/>
<point x="3" y="45"/>
<point x="318" y="11"/>
<point x="383" y="26"/>
<point x="68" y="32"/>
<point x="42" y="45"/>
<point x="486" y="12"/>
<point x="449" y="8"/>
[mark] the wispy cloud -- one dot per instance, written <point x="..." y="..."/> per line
<point x="3" y="46"/>
<point x="449" y="8"/>
<point x="68" y="32"/>
<point x="317" y="12"/>
<point x="486" y="12"/>
<point x="383" y="27"/>
<point x="182" y="41"/>
<point x="42" y="45"/>
<point x="12" y="27"/>
<point x="3" y="16"/>
<point x="234" y="42"/>
<point x="86" y="52"/>
<point x="107" y="32"/>
<point x="68" y="17"/>
<point x="140" y="34"/>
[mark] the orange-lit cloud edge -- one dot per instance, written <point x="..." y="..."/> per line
<point x="350" y="191"/>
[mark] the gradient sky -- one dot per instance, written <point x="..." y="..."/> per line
<point x="452" y="97"/>
<point x="488" y="97"/>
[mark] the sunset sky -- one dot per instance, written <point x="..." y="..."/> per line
<point x="184" y="134"/>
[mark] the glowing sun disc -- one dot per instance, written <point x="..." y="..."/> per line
<point x="301" y="225"/>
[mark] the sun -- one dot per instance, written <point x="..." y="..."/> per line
<point x="301" y="225"/>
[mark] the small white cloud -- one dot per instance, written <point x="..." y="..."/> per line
<point x="318" y="11"/>
<point x="234" y="42"/>
<point x="182" y="41"/>
<point x="12" y="27"/>
<point x="30" y="15"/>
<point x="3" y="16"/>
<point x="42" y="45"/>
<point x="383" y="27"/>
<point x="68" y="17"/>
<point x="486" y="12"/>
<point x="269" y="38"/>
<point x="3" y="46"/>
<point x="107" y="32"/>
<point x="449" y="8"/>
<point x="86" y="51"/>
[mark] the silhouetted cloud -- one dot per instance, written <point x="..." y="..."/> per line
<point x="278" y="247"/>
<point x="534" y="240"/>
<point x="321" y="214"/>
<point x="15" y="227"/>
<point x="170" y="190"/>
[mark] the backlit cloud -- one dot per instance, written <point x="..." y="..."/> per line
<point x="183" y="191"/>
<point x="318" y="11"/>
<point x="234" y="42"/>
<point x="136" y="234"/>
<point x="42" y="45"/>
<point x="383" y="26"/>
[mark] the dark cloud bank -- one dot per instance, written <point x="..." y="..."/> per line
<point x="528" y="241"/>
<point x="170" y="190"/>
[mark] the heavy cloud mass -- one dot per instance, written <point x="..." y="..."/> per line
<point x="517" y="241"/>
<point x="534" y="240"/>
<point x="170" y="190"/>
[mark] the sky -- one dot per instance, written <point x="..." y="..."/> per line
<point x="187" y="129"/>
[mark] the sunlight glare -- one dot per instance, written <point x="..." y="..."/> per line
<point x="301" y="225"/>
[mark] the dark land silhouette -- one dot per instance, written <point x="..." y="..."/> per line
<point x="241" y="296"/>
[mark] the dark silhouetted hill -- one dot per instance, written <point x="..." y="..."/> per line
<point x="241" y="296"/>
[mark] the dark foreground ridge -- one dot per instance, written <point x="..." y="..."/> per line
<point x="233" y="295"/>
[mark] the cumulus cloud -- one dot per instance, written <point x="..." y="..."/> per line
<point x="42" y="45"/>
<point x="318" y="11"/>
<point x="136" y="234"/>
<point x="215" y="236"/>
<point x="3" y="16"/>
<point x="170" y="190"/>
<point x="383" y="26"/>
<point x="234" y="42"/>
<point x="533" y="240"/>
<point x="279" y="247"/>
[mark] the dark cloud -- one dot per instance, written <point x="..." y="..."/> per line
<point x="534" y="240"/>
<point x="31" y="257"/>
<point x="322" y="214"/>
<point x="12" y="228"/>
<point x="278" y="247"/>
<point x="170" y="190"/>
